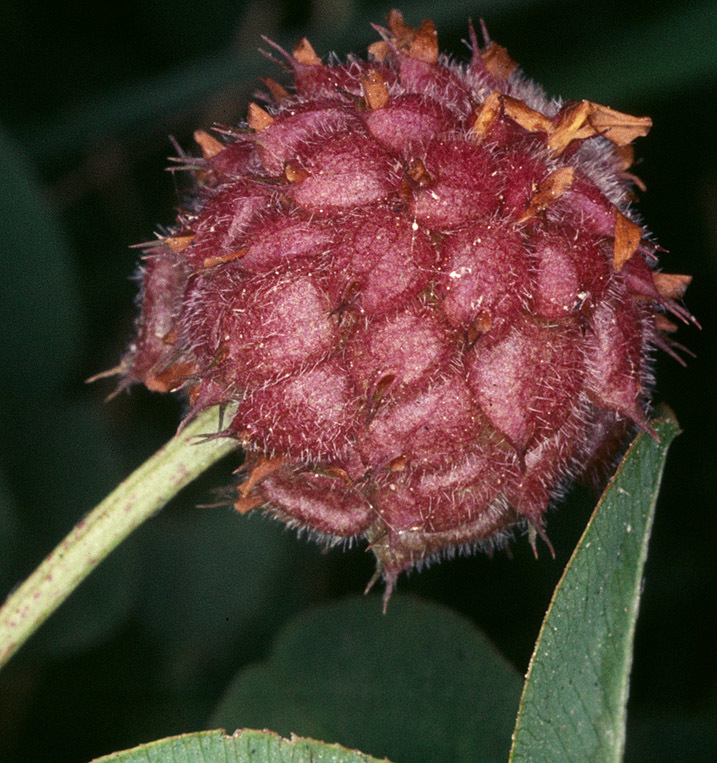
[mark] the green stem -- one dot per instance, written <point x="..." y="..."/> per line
<point x="143" y="493"/>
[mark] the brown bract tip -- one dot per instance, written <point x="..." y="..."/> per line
<point x="585" y="119"/>
<point x="419" y="174"/>
<point x="261" y="469"/>
<point x="220" y="259"/>
<point x="170" y="379"/>
<point x="305" y="54"/>
<point x="208" y="143"/>
<point x="627" y="240"/>
<point x="571" y="126"/>
<point x="278" y="92"/>
<point x="617" y="127"/>
<point x="180" y="242"/>
<point x="579" y="121"/>
<point x="662" y="323"/>
<point x="379" y="51"/>
<point x="336" y="472"/>
<point x="243" y="505"/>
<point x="481" y="325"/>
<point x="552" y="188"/>
<point x="486" y="115"/>
<point x="396" y="23"/>
<point x="497" y="61"/>
<point x="421" y="43"/>
<point x="626" y="154"/>
<point x="294" y="174"/>
<point x="671" y="285"/>
<point x="375" y="91"/>
<point x="257" y="118"/>
<point x="398" y="464"/>
<point x="529" y="119"/>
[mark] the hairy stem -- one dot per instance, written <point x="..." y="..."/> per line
<point x="143" y="493"/>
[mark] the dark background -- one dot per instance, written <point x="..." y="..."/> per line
<point x="89" y="94"/>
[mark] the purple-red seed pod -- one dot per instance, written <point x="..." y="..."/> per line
<point x="422" y="287"/>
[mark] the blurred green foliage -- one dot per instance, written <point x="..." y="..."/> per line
<point x="421" y="684"/>
<point x="147" y="646"/>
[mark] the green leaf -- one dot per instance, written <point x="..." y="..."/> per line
<point x="242" y="747"/>
<point x="419" y="683"/>
<point x="574" y="699"/>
